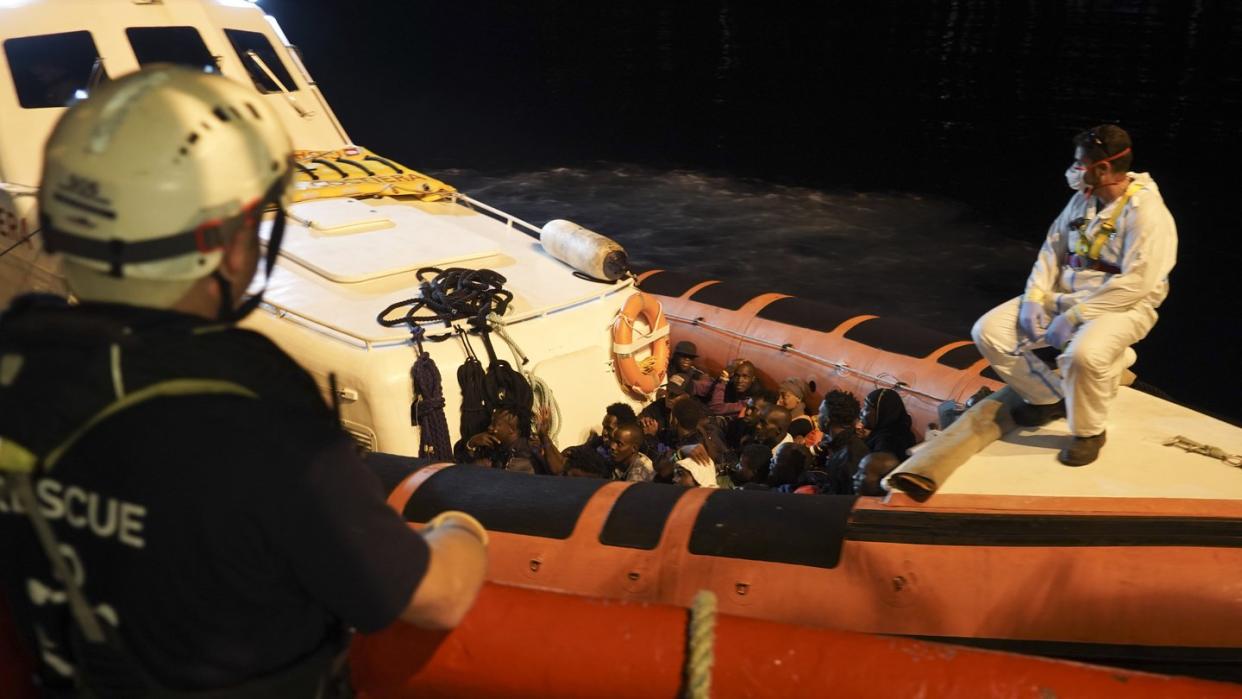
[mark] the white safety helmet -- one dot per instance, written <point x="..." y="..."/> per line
<point x="148" y="178"/>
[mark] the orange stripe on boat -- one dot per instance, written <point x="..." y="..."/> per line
<point x="529" y="643"/>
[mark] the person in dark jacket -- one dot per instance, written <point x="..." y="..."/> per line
<point x="841" y="449"/>
<point x="888" y="424"/>
<point x="696" y="437"/>
<point x="502" y="446"/>
<point x="222" y="532"/>
<point x="736" y="383"/>
<point x="753" y="465"/>
<point x="615" y="414"/>
<point x="791" y="459"/>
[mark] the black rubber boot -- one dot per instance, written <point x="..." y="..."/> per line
<point x="1082" y="450"/>
<point x="1029" y="415"/>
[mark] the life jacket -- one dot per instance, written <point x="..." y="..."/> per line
<point x="65" y="369"/>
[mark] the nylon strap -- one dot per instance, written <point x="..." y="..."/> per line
<point x="1108" y="228"/>
<point x="632" y="347"/>
<point x="135" y="251"/>
<point x="14" y="458"/>
<point x="172" y="387"/>
<point x="82" y="612"/>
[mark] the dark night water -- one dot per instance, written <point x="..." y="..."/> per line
<point x="780" y="237"/>
<point x="902" y="158"/>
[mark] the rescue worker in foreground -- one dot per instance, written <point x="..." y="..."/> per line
<point x="181" y="514"/>
<point x="1093" y="292"/>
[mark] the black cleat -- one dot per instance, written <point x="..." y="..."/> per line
<point x="1029" y="415"/>
<point x="1082" y="450"/>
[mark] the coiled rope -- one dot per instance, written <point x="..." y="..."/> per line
<point x="446" y="296"/>
<point x="427" y="409"/>
<point x="451" y="294"/>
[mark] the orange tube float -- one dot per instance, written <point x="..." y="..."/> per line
<point x="836" y="347"/>
<point x="632" y="374"/>
<point x="529" y="643"/>
<point x="1103" y="580"/>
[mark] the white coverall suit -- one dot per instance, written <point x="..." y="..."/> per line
<point x="1111" y="310"/>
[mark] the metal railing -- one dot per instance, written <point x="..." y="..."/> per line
<point x="506" y="218"/>
<point x="839" y="367"/>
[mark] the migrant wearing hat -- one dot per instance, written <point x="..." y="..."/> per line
<point x="682" y="362"/>
<point x="799" y="388"/>
<point x="686" y="348"/>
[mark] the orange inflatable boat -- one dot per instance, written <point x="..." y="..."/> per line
<point x="528" y="643"/>
<point x="519" y="642"/>
<point x="786" y="336"/>
<point x="1117" y="581"/>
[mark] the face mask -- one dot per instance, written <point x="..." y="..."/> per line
<point x="1073" y="177"/>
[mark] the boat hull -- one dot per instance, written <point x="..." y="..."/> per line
<point x="528" y="643"/>
<point x="1138" y="583"/>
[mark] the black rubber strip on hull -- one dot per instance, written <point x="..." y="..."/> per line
<point x="517" y="503"/>
<point x="723" y="295"/>
<point x="638" y="516"/>
<point x="772" y="527"/>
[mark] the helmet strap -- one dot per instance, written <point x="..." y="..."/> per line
<point x="227" y="313"/>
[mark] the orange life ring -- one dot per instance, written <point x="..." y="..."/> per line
<point x="642" y="378"/>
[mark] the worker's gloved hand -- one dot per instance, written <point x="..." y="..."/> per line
<point x="1032" y="319"/>
<point x="1060" y="331"/>
<point x="461" y="520"/>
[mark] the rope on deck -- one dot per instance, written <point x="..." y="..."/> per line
<point x="1208" y="450"/>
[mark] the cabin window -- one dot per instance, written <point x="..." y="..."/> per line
<point x="51" y="69"/>
<point x="180" y="45"/>
<point x="243" y="43"/>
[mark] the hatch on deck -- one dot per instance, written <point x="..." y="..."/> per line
<point x="349" y="241"/>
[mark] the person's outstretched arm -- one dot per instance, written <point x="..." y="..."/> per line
<point x="455" y="571"/>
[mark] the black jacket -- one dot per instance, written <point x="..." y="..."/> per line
<point x="228" y="534"/>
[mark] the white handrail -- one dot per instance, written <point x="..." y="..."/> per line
<point x="509" y="219"/>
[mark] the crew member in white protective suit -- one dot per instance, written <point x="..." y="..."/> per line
<point x="1093" y="292"/>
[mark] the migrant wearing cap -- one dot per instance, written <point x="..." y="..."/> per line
<point x="181" y="514"/>
<point x="1092" y="293"/>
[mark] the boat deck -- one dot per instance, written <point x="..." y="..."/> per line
<point x="1133" y="464"/>
<point x="341" y="278"/>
